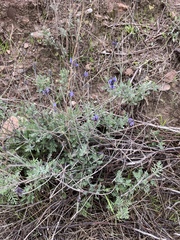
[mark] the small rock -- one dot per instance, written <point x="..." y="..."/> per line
<point x="9" y="126"/>
<point x="73" y="103"/>
<point x="88" y="11"/>
<point x="122" y="7"/>
<point x="25" y="20"/>
<point x="129" y="72"/>
<point x="37" y="35"/>
<point x="26" y="45"/>
<point x="14" y="74"/>
<point x="164" y="87"/>
<point x="88" y="67"/>
<point x="170" y="76"/>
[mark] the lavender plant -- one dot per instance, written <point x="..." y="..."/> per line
<point x="67" y="147"/>
<point x="129" y="93"/>
<point x="43" y="84"/>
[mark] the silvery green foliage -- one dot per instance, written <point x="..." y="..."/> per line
<point x="128" y="185"/>
<point x="133" y="94"/>
<point x="49" y="141"/>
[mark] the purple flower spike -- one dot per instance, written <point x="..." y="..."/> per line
<point x="114" y="43"/>
<point x="73" y="63"/>
<point x="130" y="122"/>
<point x="19" y="191"/>
<point x="111" y="82"/>
<point x="54" y="107"/>
<point x="70" y="61"/>
<point x="46" y="91"/>
<point x="71" y="94"/>
<point x="95" y="118"/>
<point x="86" y="74"/>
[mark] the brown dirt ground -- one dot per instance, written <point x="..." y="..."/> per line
<point x="20" y="19"/>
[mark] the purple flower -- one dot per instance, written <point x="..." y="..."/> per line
<point x="46" y="91"/>
<point x="111" y="82"/>
<point x="114" y="43"/>
<point x="19" y="191"/>
<point x="73" y="63"/>
<point x="130" y="122"/>
<point x="54" y="107"/>
<point x="95" y="118"/>
<point x="70" y="61"/>
<point x="71" y="94"/>
<point x="86" y="74"/>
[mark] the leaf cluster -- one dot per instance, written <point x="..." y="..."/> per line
<point x="132" y="95"/>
